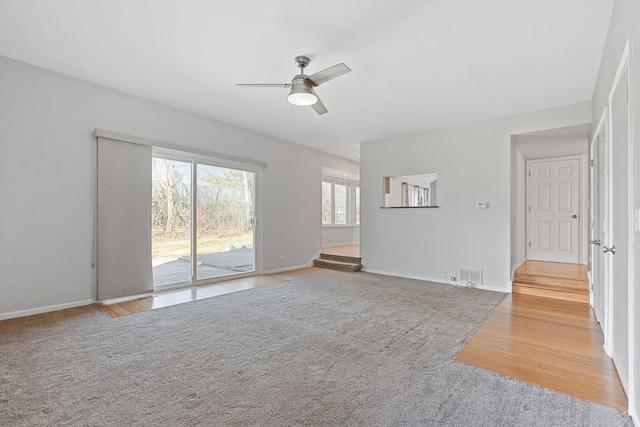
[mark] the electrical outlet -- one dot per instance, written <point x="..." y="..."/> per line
<point x="400" y="256"/>
<point x="281" y="258"/>
<point x="453" y="277"/>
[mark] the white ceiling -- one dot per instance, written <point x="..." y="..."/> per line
<point x="418" y="65"/>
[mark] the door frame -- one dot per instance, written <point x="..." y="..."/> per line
<point x="582" y="202"/>
<point x="594" y="200"/>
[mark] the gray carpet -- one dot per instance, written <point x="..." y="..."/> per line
<point x="325" y="348"/>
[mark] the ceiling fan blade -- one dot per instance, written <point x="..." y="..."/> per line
<point x="327" y="74"/>
<point x="319" y="107"/>
<point x="284" y="85"/>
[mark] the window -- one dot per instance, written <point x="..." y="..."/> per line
<point x="340" y="202"/>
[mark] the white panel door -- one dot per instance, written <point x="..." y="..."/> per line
<point x="618" y="238"/>
<point x="553" y="210"/>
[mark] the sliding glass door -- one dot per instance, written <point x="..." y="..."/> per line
<point x="203" y="218"/>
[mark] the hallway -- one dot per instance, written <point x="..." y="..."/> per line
<point x="555" y="343"/>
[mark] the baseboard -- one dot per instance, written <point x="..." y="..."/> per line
<point x="47" y="309"/>
<point x="281" y="270"/>
<point x="316" y="256"/>
<point x="430" y="279"/>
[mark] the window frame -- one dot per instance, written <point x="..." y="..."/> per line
<point x="350" y="202"/>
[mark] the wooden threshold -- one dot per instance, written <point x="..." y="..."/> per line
<point x="553" y="343"/>
<point x="184" y="295"/>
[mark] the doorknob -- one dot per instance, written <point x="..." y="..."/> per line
<point x="574" y="216"/>
<point x="612" y="249"/>
<point x="595" y="242"/>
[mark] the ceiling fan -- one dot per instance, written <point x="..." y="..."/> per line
<point x="302" y="92"/>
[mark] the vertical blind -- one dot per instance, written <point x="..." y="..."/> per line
<point x="123" y="246"/>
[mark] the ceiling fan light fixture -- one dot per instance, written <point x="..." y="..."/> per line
<point x="302" y="99"/>
<point x="301" y="93"/>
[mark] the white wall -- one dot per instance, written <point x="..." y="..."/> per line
<point x="473" y="164"/>
<point x="624" y="25"/>
<point x="47" y="167"/>
<point x="336" y="235"/>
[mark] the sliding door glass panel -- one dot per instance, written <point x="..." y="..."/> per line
<point x="171" y="222"/>
<point x="341" y="196"/>
<point x="225" y="219"/>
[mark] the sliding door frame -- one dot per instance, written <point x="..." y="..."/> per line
<point x="198" y="159"/>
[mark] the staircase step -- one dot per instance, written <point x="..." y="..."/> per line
<point x="337" y="265"/>
<point x="341" y="258"/>
<point x="536" y="290"/>
<point x="562" y="283"/>
<point x="583" y="290"/>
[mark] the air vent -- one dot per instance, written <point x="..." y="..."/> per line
<point x="471" y="276"/>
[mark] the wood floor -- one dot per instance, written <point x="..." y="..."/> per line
<point x="549" y="342"/>
<point x="344" y="250"/>
<point x="181" y="296"/>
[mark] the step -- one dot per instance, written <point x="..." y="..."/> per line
<point x="341" y="258"/>
<point x="558" y="283"/>
<point x="526" y="289"/>
<point x="582" y="290"/>
<point x="337" y="265"/>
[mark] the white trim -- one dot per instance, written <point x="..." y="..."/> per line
<point x="46" y="309"/>
<point x="601" y="128"/>
<point x="281" y="270"/>
<point x="634" y="393"/>
<point x="171" y="146"/>
<point x="428" y="279"/>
